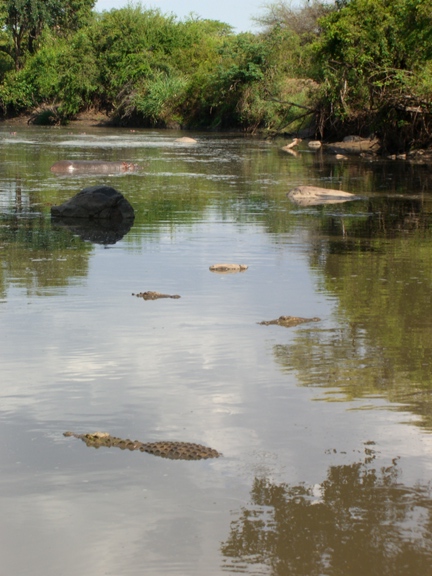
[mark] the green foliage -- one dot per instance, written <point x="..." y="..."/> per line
<point x="256" y="83"/>
<point x="223" y="94"/>
<point x="129" y="44"/>
<point x="146" y="62"/>
<point x="370" y="53"/>
<point x="16" y="93"/>
<point x="77" y="76"/>
<point x="200" y="43"/>
<point x="154" y="101"/>
<point x="72" y="15"/>
<point x="358" y="52"/>
<point x="362" y="65"/>
<point x="6" y="61"/>
<point x="25" y="20"/>
<point x="63" y="73"/>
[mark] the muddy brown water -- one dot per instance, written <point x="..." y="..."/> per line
<point x="325" y="427"/>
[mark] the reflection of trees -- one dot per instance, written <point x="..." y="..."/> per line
<point x="352" y="365"/>
<point x="380" y="271"/>
<point x="366" y="225"/>
<point x="36" y="256"/>
<point x="358" y="521"/>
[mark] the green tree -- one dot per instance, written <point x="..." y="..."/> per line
<point x="374" y="59"/>
<point x="63" y="74"/>
<point x="222" y="96"/>
<point x="26" y="19"/>
<point x="147" y="60"/>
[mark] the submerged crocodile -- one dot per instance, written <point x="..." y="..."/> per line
<point x="289" y="321"/>
<point x="165" y="449"/>
<point x="154" y="295"/>
<point x="228" y="267"/>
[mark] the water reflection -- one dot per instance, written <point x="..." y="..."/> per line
<point x="37" y="257"/>
<point x="97" y="231"/>
<point x="378" y="266"/>
<point x="359" y="520"/>
<point x="200" y="368"/>
<point x="378" y="218"/>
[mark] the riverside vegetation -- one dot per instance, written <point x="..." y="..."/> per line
<point x="324" y="69"/>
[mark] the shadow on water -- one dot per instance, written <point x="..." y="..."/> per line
<point x="359" y="520"/>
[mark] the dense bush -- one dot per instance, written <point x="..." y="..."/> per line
<point x="375" y="62"/>
<point x="362" y="65"/>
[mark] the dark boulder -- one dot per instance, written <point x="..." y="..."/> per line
<point x="96" y="203"/>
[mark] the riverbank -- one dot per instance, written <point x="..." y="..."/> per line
<point x="350" y="146"/>
<point x="88" y="118"/>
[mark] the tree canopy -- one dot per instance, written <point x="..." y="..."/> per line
<point x="25" y="20"/>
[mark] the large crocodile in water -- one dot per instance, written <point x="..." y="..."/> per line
<point x="288" y="321"/>
<point x="165" y="449"/>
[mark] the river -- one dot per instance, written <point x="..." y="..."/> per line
<point x="324" y="428"/>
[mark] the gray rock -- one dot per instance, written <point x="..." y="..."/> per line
<point x="96" y="203"/>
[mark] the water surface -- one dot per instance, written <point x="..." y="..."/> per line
<point x="325" y="428"/>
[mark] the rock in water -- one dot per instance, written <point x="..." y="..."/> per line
<point x="313" y="195"/>
<point x="96" y="203"/>
<point x="186" y="140"/>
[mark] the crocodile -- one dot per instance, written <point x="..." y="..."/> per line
<point x="154" y="295"/>
<point x="228" y="267"/>
<point x="289" y="321"/>
<point x="165" y="449"/>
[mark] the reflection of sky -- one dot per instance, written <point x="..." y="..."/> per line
<point x="92" y="356"/>
<point x="195" y="366"/>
